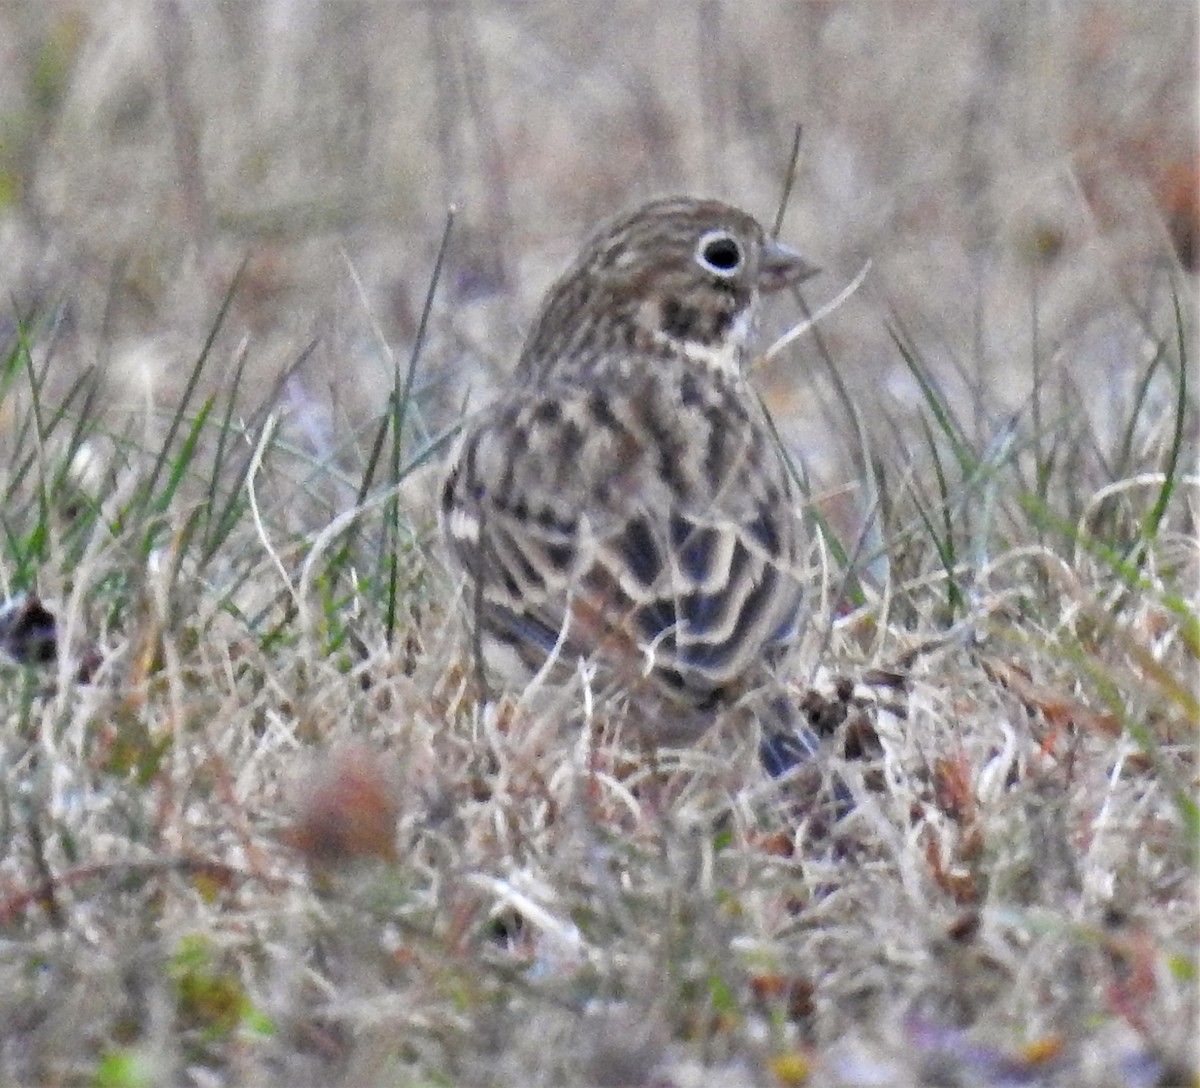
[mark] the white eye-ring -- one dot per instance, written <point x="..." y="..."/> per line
<point x="720" y="253"/>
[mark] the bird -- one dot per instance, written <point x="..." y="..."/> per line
<point x="625" y="499"/>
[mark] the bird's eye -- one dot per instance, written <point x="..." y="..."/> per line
<point x="719" y="253"/>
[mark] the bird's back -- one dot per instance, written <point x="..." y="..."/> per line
<point x="656" y="511"/>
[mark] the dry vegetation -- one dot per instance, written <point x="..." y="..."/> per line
<point x="256" y="825"/>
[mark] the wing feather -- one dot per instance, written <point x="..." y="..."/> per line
<point x="663" y="529"/>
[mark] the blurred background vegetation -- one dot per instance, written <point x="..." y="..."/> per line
<point x="1022" y="176"/>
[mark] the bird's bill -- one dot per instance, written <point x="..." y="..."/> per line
<point x="781" y="266"/>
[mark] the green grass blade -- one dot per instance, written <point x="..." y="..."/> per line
<point x="1154" y="518"/>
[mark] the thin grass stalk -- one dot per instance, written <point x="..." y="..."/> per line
<point x="1154" y="519"/>
<point x="401" y="401"/>
<point x="177" y="417"/>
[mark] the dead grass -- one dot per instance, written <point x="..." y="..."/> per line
<point x="256" y="827"/>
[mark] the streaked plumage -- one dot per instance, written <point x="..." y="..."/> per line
<point x="626" y="498"/>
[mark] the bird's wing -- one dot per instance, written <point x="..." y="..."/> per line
<point x="637" y="527"/>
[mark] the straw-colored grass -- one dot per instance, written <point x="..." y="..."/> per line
<point x="257" y="822"/>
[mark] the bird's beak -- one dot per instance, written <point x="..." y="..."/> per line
<point x="781" y="266"/>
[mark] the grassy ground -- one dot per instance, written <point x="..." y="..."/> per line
<point x="255" y="824"/>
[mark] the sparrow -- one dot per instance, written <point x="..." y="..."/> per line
<point x="626" y="499"/>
